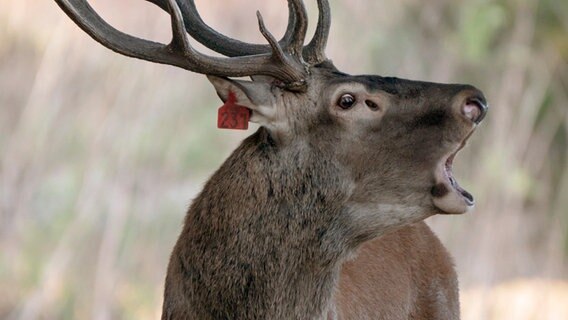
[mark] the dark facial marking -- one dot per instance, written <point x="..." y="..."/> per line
<point x="439" y="190"/>
<point x="371" y="82"/>
<point x="431" y="118"/>
<point x="386" y="84"/>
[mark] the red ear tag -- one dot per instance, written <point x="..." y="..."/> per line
<point x="232" y="115"/>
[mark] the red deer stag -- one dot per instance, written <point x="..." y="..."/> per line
<point x="319" y="214"/>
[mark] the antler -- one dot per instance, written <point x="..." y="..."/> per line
<point x="283" y="63"/>
<point x="313" y="53"/>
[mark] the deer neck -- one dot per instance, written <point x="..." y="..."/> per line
<point x="263" y="237"/>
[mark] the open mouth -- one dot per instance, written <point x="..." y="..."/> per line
<point x="448" y="195"/>
<point x="450" y="176"/>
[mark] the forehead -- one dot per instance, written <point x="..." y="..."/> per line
<point x="401" y="88"/>
<point x="370" y="83"/>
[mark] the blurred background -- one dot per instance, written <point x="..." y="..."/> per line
<point x="100" y="154"/>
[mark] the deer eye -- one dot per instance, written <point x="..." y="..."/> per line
<point x="346" y="101"/>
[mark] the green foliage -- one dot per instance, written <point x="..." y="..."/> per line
<point x="480" y="24"/>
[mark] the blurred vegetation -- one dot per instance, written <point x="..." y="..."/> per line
<point x="101" y="154"/>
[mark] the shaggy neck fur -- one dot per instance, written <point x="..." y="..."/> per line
<point x="262" y="238"/>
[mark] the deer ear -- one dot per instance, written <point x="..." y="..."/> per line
<point x="257" y="96"/>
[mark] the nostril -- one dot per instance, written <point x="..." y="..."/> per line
<point x="475" y="109"/>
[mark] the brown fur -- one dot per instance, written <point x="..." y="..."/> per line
<point x="318" y="214"/>
<point x="406" y="274"/>
<point x="260" y="240"/>
<point x="272" y="229"/>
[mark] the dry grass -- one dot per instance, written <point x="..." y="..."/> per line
<point x="517" y="300"/>
<point x="100" y="154"/>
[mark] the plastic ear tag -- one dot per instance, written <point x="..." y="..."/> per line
<point x="233" y="116"/>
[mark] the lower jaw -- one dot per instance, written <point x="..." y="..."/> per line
<point x="450" y="198"/>
<point x="447" y="195"/>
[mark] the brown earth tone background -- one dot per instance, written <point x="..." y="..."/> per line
<point x="100" y="155"/>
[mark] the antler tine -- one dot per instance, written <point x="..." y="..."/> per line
<point x="297" y="41"/>
<point x="292" y="41"/>
<point x="314" y="52"/>
<point x="180" y="53"/>
<point x="276" y="48"/>
<point x="180" y="37"/>
<point x="218" y="42"/>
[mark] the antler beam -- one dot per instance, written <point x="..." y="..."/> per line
<point x="285" y="65"/>
<point x="313" y="53"/>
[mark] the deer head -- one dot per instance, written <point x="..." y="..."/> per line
<point x="338" y="159"/>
